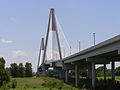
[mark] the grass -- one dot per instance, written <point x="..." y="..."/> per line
<point x="42" y="83"/>
<point x="109" y="77"/>
<point x="45" y="83"/>
<point x="117" y="77"/>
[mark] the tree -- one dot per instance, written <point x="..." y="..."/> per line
<point x="28" y="69"/>
<point x="4" y="76"/>
<point x="14" y="70"/>
<point x="100" y="71"/>
<point x="21" y="70"/>
<point x="117" y="71"/>
<point x="8" y="71"/>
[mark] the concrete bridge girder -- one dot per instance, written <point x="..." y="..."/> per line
<point x="81" y="65"/>
<point x="98" y="51"/>
<point x="57" y="64"/>
<point x="99" y="60"/>
<point x="60" y="71"/>
<point x="68" y="66"/>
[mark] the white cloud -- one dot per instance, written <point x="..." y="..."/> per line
<point x="6" y="41"/>
<point x="18" y="53"/>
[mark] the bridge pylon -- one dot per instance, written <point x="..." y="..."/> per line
<point x="52" y="28"/>
<point x="40" y="57"/>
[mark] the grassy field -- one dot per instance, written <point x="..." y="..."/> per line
<point x="45" y="83"/>
<point x="42" y="83"/>
<point x="116" y="78"/>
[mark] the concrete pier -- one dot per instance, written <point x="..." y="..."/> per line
<point x="93" y="74"/>
<point x="66" y="76"/>
<point x="76" y="75"/>
<point x="113" y="70"/>
<point x="104" y="71"/>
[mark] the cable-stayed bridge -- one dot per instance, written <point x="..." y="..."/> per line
<point x="55" y="52"/>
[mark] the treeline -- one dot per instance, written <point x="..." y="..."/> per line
<point x="100" y="71"/>
<point x="15" y="71"/>
<point x="20" y="70"/>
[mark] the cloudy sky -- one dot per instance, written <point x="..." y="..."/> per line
<point x="24" y="22"/>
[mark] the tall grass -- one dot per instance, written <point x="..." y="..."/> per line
<point x="41" y="83"/>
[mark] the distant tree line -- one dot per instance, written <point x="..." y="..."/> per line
<point x="100" y="71"/>
<point x="15" y="71"/>
<point x="20" y="70"/>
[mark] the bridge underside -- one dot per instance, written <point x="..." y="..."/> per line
<point x="104" y="53"/>
<point x="89" y="65"/>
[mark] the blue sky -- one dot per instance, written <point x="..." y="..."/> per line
<point x="24" y="22"/>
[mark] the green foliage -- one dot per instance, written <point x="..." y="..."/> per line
<point x="44" y="75"/>
<point x="4" y="76"/>
<point x="107" y="85"/>
<point x="85" y="83"/>
<point x="40" y="83"/>
<point x="9" y="85"/>
<point x="117" y="71"/>
<point x="14" y="70"/>
<point x="2" y="63"/>
<point x="8" y="71"/>
<point x="28" y="69"/>
<point x="100" y="71"/>
<point x="4" y="86"/>
<point x="83" y="73"/>
<point x="52" y="83"/>
<point x="14" y="83"/>
<point x="21" y="70"/>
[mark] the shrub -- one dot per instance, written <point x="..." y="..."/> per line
<point x="85" y="83"/>
<point x="14" y="83"/>
<point x="107" y="85"/>
<point x="4" y="86"/>
<point x="52" y="83"/>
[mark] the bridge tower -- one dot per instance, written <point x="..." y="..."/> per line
<point x="52" y="29"/>
<point x="40" y="57"/>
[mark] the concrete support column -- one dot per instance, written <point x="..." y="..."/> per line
<point x="89" y="74"/>
<point x="62" y="74"/>
<point x="66" y="75"/>
<point x="93" y="74"/>
<point x="104" y="71"/>
<point x="112" y="70"/>
<point x="76" y="75"/>
<point x="43" y="68"/>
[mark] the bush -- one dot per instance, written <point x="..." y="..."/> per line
<point x="4" y="86"/>
<point x="4" y="76"/>
<point x="44" y="75"/>
<point x="8" y="85"/>
<point x="99" y="84"/>
<point x="52" y="83"/>
<point x="85" y="83"/>
<point x="14" y="83"/>
<point x="107" y="85"/>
